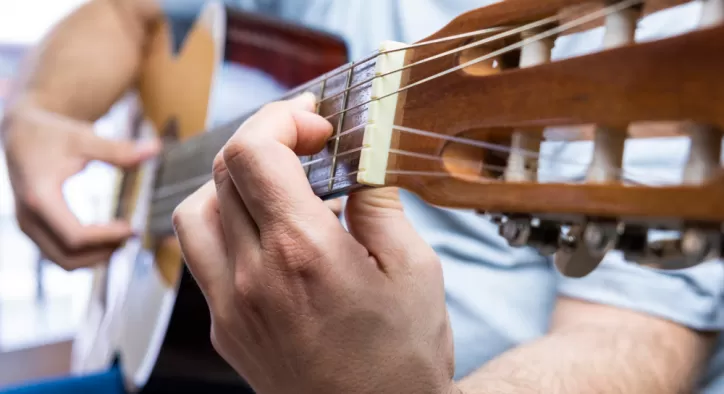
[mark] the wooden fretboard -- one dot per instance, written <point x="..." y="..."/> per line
<point x="185" y="166"/>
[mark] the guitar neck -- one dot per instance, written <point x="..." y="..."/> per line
<point x="343" y="96"/>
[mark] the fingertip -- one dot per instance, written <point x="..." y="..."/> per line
<point x="306" y="101"/>
<point x="313" y="131"/>
<point x="121" y="228"/>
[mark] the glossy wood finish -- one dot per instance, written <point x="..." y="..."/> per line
<point x="676" y="79"/>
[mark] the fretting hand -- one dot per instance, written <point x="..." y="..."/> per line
<point x="43" y="150"/>
<point x="298" y="304"/>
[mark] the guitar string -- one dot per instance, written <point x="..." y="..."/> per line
<point x="166" y="209"/>
<point x="574" y="23"/>
<point x="453" y="51"/>
<point x="352" y="65"/>
<point x="497" y="148"/>
<point x="548" y="33"/>
<point x="188" y="185"/>
<point x="626" y="175"/>
<point x="191" y="184"/>
<point x="569" y="25"/>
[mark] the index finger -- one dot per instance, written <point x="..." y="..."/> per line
<point x="265" y="169"/>
<point x="50" y="207"/>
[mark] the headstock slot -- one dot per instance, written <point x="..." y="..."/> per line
<point x="509" y="60"/>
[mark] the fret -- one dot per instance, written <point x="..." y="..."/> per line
<point x="317" y="108"/>
<point x="186" y="165"/>
<point x="340" y="155"/>
<point x="340" y="123"/>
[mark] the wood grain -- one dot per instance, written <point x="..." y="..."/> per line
<point x="672" y="80"/>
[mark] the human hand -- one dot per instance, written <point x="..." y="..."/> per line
<point x="42" y="151"/>
<point x="298" y="304"/>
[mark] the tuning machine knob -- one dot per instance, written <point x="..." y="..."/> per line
<point x="582" y="249"/>
<point x="694" y="246"/>
<point x="542" y="235"/>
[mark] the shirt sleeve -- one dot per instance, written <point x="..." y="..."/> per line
<point x="691" y="297"/>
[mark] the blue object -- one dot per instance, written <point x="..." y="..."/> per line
<point x="110" y="382"/>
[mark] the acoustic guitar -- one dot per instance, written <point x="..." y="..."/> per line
<point x="457" y="118"/>
<point x="146" y="312"/>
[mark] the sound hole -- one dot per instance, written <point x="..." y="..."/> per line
<point x="490" y="66"/>
<point x="464" y="161"/>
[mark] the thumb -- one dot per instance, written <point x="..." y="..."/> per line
<point x="376" y="219"/>
<point x="119" y="153"/>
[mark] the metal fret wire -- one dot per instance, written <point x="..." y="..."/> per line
<point x="581" y="20"/>
<point x="317" y="108"/>
<point x="340" y="123"/>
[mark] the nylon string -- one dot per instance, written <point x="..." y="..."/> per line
<point x="193" y="183"/>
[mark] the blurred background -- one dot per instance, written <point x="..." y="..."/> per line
<point x="41" y="305"/>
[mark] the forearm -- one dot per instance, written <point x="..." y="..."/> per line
<point x="88" y="60"/>
<point x="626" y="353"/>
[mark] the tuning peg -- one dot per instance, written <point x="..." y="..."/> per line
<point x="515" y="230"/>
<point x="542" y="235"/>
<point x="694" y="246"/>
<point x="698" y="245"/>
<point x="633" y="242"/>
<point x="601" y="237"/>
<point x="574" y="257"/>
<point x="545" y="237"/>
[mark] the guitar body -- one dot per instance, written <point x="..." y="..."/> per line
<point x="146" y="312"/>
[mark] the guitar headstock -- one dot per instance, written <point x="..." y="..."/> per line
<point x="475" y="111"/>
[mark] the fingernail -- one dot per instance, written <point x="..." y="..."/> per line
<point x="308" y="99"/>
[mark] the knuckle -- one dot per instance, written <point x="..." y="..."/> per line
<point x="73" y="242"/>
<point x="65" y="263"/>
<point x="30" y="197"/>
<point x="24" y="222"/>
<point x="218" y="167"/>
<point x="294" y="251"/>
<point x="243" y="287"/>
<point x="195" y="208"/>
<point x="237" y="148"/>
<point x="220" y="321"/>
<point x="178" y="216"/>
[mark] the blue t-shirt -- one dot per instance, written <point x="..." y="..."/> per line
<point x="499" y="297"/>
